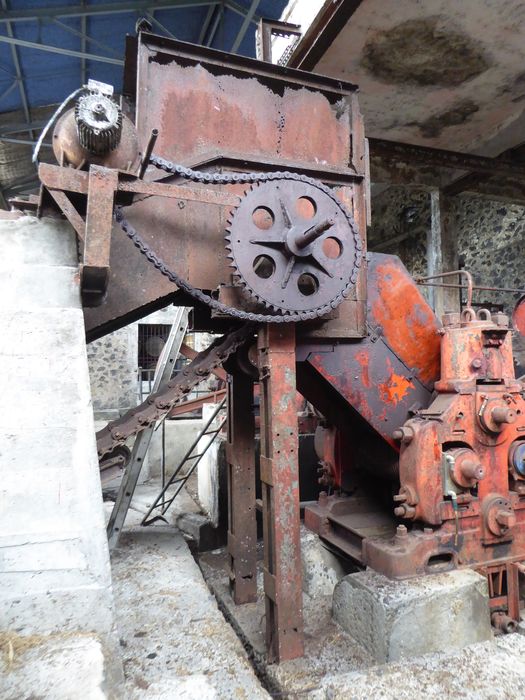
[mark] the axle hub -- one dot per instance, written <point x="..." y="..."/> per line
<point x="292" y="246"/>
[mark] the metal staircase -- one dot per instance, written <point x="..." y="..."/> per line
<point x="179" y="476"/>
<point x="129" y="481"/>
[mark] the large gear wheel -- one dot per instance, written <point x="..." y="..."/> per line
<point x="293" y="246"/>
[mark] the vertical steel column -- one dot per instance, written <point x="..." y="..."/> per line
<point x="240" y="455"/>
<point x="280" y="492"/>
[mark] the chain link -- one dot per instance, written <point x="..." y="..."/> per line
<point x="157" y="405"/>
<point x="233" y="179"/>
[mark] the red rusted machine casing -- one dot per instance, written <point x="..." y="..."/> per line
<point x="461" y="470"/>
<point x="219" y="112"/>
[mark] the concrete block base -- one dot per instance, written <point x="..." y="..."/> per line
<point x="396" y="620"/>
<point x="321" y="568"/>
<point x="204" y="536"/>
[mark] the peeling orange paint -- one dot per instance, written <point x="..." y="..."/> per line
<point x="363" y="359"/>
<point x="395" y="388"/>
<point x="408" y="324"/>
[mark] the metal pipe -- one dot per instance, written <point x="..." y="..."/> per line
<point x="465" y="274"/>
<point x="147" y="153"/>
<point x="476" y="286"/>
<point x="503" y="622"/>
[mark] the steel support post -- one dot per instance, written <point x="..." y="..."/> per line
<point x="280" y="492"/>
<point x="240" y="454"/>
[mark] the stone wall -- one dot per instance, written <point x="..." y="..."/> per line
<point x="113" y="372"/>
<point x="489" y="237"/>
<point x="113" y="367"/>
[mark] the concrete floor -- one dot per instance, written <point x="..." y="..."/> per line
<point x="335" y="667"/>
<point x="176" y="643"/>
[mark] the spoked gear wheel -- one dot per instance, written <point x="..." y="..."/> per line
<point x="293" y="246"/>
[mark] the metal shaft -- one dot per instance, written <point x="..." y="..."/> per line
<point x="313" y="233"/>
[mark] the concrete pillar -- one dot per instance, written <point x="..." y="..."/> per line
<point x="54" y="572"/>
<point x="442" y="252"/>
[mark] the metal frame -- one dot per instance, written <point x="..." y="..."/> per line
<point x="163" y="501"/>
<point x="240" y="455"/>
<point x="244" y="26"/>
<point x="280" y="492"/>
<point x="18" y="69"/>
<point x="9" y="17"/>
<point x="37" y="13"/>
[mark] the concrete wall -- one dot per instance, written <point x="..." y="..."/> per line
<point x="54" y="571"/>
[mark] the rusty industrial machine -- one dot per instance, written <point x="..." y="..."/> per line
<point x="241" y="188"/>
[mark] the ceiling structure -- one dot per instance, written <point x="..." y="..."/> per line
<point x="433" y="73"/>
<point x="48" y="48"/>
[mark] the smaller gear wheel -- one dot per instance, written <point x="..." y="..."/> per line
<point x="99" y="123"/>
<point x="293" y="246"/>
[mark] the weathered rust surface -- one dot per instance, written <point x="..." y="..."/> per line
<point x="197" y="98"/>
<point x="94" y="271"/>
<point x="280" y="492"/>
<point x="391" y="371"/>
<point x="462" y="464"/>
<point x="204" y="102"/>
<point x="240" y="454"/>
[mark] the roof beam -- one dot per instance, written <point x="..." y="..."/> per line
<point x="84" y="37"/>
<point x="36" y="13"/>
<point x="83" y="41"/>
<point x="206" y="24"/>
<point x="19" y="127"/>
<point x="213" y="31"/>
<point x="240" y="10"/>
<point x="393" y="151"/>
<point x="22" y="142"/>
<point x="331" y="18"/>
<point x="6" y="92"/>
<point x="18" y="69"/>
<point x="151" y="16"/>
<point x="244" y="26"/>
<point x="57" y="49"/>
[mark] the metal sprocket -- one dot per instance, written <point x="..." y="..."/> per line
<point x="293" y="246"/>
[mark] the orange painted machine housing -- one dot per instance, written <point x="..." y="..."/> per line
<point x="455" y="462"/>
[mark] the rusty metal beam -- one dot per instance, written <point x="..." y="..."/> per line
<point x="280" y="492"/>
<point x="70" y="212"/>
<point x="99" y="219"/>
<point x="71" y="180"/>
<point x="436" y="157"/>
<point x="242" y="525"/>
<point x="194" y="404"/>
<point x="325" y="28"/>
